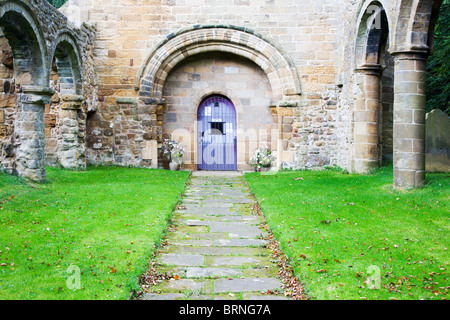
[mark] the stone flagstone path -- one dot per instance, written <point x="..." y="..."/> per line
<point x="216" y="249"/>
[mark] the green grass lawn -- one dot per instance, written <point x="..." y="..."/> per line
<point x="333" y="227"/>
<point x="103" y="222"/>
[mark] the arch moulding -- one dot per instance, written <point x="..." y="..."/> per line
<point x="243" y="42"/>
<point x="33" y="33"/>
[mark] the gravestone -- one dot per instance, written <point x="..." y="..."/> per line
<point x="437" y="142"/>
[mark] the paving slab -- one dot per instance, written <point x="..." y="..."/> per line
<point x="212" y="272"/>
<point x="255" y="296"/>
<point x="234" y="251"/>
<point x="240" y="242"/>
<point x="182" y="259"/>
<point x="249" y="284"/>
<point x="215" y="249"/>
<point x="187" y="285"/>
<point x="219" y="261"/>
<point x="199" y="236"/>
<point x="164" y="296"/>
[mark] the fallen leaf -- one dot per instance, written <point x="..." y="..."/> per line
<point x="321" y="270"/>
<point x="113" y="270"/>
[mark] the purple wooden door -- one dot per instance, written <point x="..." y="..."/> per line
<point x="216" y="120"/>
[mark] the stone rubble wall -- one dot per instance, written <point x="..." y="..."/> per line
<point x="49" y="26"/>
<point x="8" y="101"/>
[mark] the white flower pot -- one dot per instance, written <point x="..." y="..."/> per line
<point x="173" y="166"/>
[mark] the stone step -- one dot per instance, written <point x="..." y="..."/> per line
<point x="243" y="223"/>
<point x="214" y="235"/>
<point x="215" y="193"/>
<point x="240" y="242"/>
<point x="229" y="217"/>
<point x="204" y="250"/>
<point x="221" y="285"/>
<point x="208" y="214"/>
<point x="164" y="296"/>
<point x="246" y="285"/>
<point x="244" y="262"/>
<point x="218" y="272"/>
<point x="251" y="226"/>
<point x="197" y="236"/>
<point x="181" y="296"/>
<point x="203" y="286"/>
<point x="196" y="203"/>
<point x="181" y="259"/>
<point x="206" y="272"/>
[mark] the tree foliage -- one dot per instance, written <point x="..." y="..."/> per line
<point x="57" y="3"/>
<point x="438" y="68"/>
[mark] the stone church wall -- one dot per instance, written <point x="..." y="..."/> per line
<point x="101" y="81"/>
<point x="310" y="32"/>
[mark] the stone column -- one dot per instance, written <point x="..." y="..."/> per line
<point x="151" y="112"/>
<point x="409" y="120"/>
<point x="283" y="117"/>
<point x="68" y="145"/>
<point x="366" y="114"/>
<point x="29" y="132"/>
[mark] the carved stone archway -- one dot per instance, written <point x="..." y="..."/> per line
<point x="243" y="42"/>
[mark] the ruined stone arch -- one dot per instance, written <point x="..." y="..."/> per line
<point x="27" y="43"/>
<point x="374" y="29"/>
<point x="372" y="38"/>
<point x="414" y="25"/>
<point x="242" y="42"/>
<point x="67" y="55"/>
<point x="29" y="51"/>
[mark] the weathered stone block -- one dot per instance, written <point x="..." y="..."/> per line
<point x="50" y="120"/>
<point x="409" y="131"/>
<point x="404" y="179"/>
<point x="288" y="112"/>
<point x="287" y="128"/>
<point x="3" y="131"/>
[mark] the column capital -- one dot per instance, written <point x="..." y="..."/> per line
<point x="71" y="102"/>
<point x="370" y="69"/>
<point x="72" y="98"/>
<point x="36" y="94"/>
<point x="410" y="55"/>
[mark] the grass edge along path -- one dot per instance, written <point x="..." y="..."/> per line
<point x="83" y="235"/>
<point x="334" y="226"/>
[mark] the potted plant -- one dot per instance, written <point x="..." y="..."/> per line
<point x="262" y="159"/>
<point x="173" y="151"/>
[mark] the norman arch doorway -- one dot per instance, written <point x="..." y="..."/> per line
<point x="216" y="117"/>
